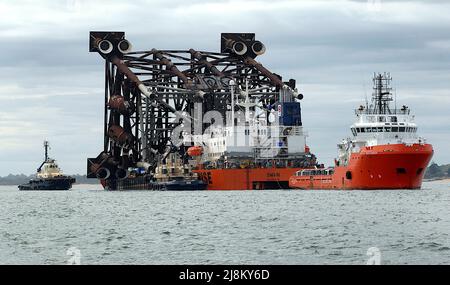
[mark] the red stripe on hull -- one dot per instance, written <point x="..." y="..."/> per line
<point x="395" y="166"/>
<point x="247" y="178"/>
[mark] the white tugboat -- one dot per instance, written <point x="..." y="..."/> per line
<point x="49" y="176"/>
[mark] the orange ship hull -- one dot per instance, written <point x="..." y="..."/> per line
<point x="246" y="178"/>
<point x="396" y="166"/>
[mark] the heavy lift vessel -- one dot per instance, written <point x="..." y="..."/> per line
<point x="189" y="119"/>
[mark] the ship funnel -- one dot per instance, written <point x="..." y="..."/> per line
<point x="258" y="48"/>
<point x="103" y="173"/>
<point x="239" y="48"/>
<point x="121" y="173"/>
<point x="105" y="46"/>
<point x="124" y="46"/>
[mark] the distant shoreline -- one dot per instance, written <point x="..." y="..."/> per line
<point x="437" y="179"/>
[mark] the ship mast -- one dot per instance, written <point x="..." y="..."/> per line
<point x="382" y="93"/>
<point x="46" y="147"/>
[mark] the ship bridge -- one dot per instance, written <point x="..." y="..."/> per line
<point x="379" y="123"/>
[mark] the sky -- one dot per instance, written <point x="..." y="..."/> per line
<point x="51" y="87"/>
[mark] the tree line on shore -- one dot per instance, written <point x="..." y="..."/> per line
<point x="435" y="171"/>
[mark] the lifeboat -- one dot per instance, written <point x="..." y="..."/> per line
<point x="195" y="151"/>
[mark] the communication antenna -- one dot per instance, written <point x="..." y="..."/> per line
<point x="365" y="95"/>
<point x="395" y="98"/>
<point x="46" y="148"/>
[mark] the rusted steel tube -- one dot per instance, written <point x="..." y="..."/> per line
<point x="275" y="80"/>
<point x="118" y="134"/>
<point x="100" y="171"/>
<point x="119" y="104"/>
<point x="123" y="68"/>
<point x="172" y="68"/>
<point x="201" y="59"/>
<point x="103" y="173"/>
<point x="121" y="173"/>
<point x="238" y="47"/>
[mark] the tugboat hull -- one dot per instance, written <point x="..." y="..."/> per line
<point x="183" y="185"/>
<point x="53" y="184"/>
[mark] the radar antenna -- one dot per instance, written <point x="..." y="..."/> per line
<point x="382" y="93"/>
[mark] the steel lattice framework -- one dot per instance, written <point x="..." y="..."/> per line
<point x="149" y="93"/>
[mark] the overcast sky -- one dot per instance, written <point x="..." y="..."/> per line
<point x="51" y="86"/>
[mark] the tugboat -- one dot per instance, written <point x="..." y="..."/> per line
<point x="49" y="176"/>
<point x="385" y="151"/>
<point x="173" y="175"/>
<point x="170" y="175"/>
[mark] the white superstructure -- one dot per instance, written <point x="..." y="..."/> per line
<point x="49" y="169"/>
<point x="378" y="124"/>
<point x="255" y="132"/>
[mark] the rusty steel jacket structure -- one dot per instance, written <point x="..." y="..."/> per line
<point x="149" y="93"/>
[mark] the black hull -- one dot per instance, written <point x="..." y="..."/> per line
<point x="193" y="185"/>
<point x="145" y="183"/>
<point x="52" y="184"/>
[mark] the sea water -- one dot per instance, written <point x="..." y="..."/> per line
<point x="88" y="225"/>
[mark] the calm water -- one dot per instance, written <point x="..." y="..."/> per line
<point x="268" y="227"/>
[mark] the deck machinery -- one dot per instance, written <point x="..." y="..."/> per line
<point x="148" y="94"/>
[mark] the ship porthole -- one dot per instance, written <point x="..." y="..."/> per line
<point x="348" y="175"/>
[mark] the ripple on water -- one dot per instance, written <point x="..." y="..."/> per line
<point x="270" y="227"/>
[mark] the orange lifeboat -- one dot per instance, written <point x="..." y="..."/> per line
<point x="195" y="151"/>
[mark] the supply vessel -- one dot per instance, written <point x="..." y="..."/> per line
<point x="49" y="176"/>
<point x="384" y="152"/>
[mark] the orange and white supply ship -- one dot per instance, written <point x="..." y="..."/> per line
<point x="260" y="147"/>
<point x="385" y="151"/>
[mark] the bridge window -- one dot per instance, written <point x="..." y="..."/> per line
<point x="387" y="129"/>
<point x="402" y="129"/>
<point x="394" y="129"/>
